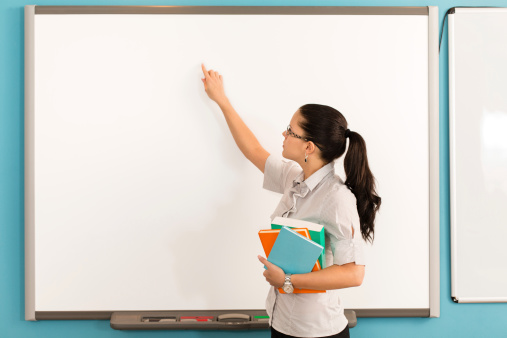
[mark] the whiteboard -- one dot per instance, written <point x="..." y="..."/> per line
<point x="137" y="196"/>
<point x="478" y="149"/>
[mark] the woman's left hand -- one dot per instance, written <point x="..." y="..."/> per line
<point x="274" y="275"/>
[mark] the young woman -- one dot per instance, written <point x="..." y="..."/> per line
<point x="315" y="137"/>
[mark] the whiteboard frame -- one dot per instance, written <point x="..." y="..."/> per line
<point x="433" y="116"/>
<point x="452" y="158"/>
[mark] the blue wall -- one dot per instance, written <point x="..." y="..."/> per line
<point x="463" y="320"/>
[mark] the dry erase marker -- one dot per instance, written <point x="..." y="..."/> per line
<point x="158" y="319"/>
<point x="196" y="319"/>
<point x="262" y="318"/>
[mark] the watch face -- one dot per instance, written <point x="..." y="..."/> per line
<point x="288" y="288"/>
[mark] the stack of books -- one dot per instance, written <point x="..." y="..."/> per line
<point x="295" y="246"/>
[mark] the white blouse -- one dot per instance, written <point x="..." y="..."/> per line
<point x="322" y="198"/>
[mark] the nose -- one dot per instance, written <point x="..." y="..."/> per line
<point x="284" y="133"/>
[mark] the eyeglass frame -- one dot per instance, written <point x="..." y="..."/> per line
<point x="293" y="134"/>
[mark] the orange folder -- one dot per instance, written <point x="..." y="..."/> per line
<point x="268" y="238"/>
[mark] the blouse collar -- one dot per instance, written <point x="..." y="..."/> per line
<point x="314" y="179"/>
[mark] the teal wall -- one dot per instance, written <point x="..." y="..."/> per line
<point x="456" y="320"/>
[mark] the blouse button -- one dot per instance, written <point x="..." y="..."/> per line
<point x="351" y="244"/>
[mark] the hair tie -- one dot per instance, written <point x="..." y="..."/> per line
<point x="347" y="133"/>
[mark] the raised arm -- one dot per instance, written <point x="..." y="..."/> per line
<point x="243" y="136"/>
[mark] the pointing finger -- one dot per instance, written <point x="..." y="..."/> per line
<point x="206" y="75"/>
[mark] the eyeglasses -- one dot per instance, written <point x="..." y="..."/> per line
<point x="291" y="133"/>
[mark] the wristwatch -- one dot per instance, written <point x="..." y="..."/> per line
<point x="287" y="286"/>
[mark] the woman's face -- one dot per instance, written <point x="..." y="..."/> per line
<point x="293" y="147"/>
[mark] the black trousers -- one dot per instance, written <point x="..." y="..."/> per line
<point x="344" y="334"/>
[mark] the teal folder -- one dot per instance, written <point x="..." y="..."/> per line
<point x="294" y="253"/>
<point x="317" y="233"/>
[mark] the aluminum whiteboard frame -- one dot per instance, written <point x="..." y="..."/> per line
<point x="452" y="161"/>
<point x="433" y="116"/>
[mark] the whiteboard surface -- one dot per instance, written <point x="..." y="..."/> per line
<point x="478" y="121"/>
<point x="137" y="175"/>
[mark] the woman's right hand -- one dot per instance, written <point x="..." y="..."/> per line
<point x="213" y="85"/>
<point x="243" y="136"/>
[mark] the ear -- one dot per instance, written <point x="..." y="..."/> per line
<point x="310" y="147"/>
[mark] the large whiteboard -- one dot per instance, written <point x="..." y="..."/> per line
<point x="137" y="196"/>
<point x="478" y="124"/>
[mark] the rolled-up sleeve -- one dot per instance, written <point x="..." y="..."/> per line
<point x="348" y="251"/>
<point x="279" y="173"/>
<point x="340" y="216"/>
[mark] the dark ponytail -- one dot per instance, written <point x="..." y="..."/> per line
<point x="326" y="128"/>
<point x="361" y="182"/>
